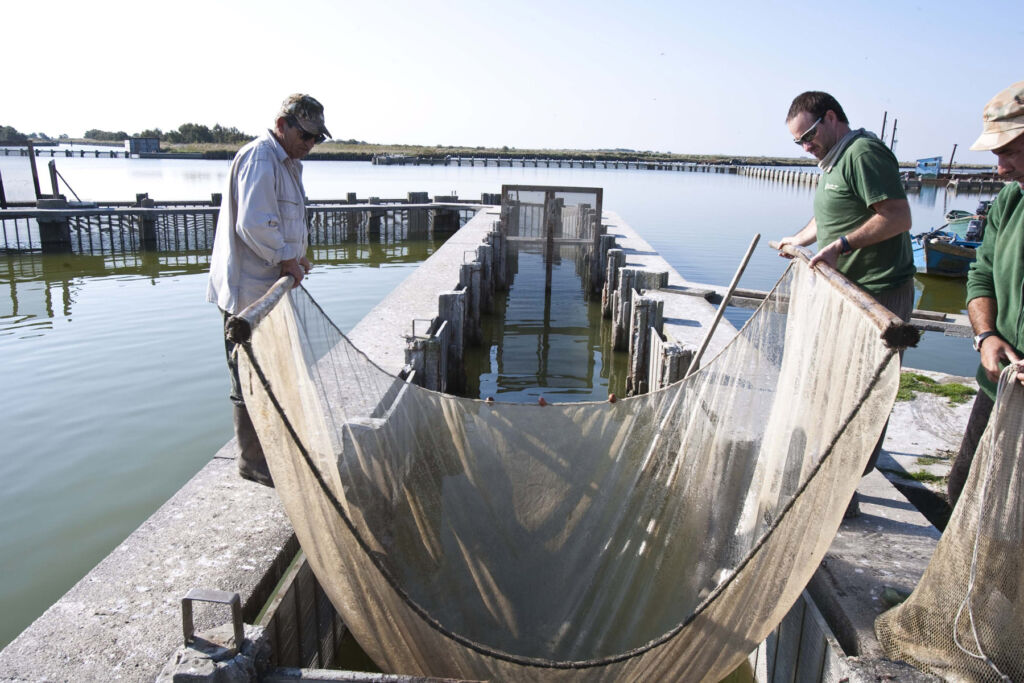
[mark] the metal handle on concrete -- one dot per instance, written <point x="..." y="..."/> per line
<point x="429" y="322"/>
<point x="211" y="595"/>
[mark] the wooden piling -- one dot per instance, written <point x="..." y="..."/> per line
<point x="667" y="363"/>
<point x="146" y="223"/>
<point x="452" y="309"/>
<point x="485" y="257"/>
<point x="646" y="321"/>
<point x="54" y="231"/>
<point x="55" y="188"/>
<point x="469" y="280"/>
<point x="592" y="222"/>
<point x="425" y="355"/>
<point x="417" y="223"/>
<point x="615" y="259"/>
<point x="35" y="171"/>
<point x="510" y="217"/>
<point x="552" y="228"/>
<point x="631" y="279"/>
<point x="374" y="221"/>
<point x="435" y="361"/>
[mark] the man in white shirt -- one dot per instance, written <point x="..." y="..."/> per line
<point x="262" y="235"/>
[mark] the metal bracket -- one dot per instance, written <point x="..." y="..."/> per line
<point x="211" y="595"/>
<point x="429" y="321"/>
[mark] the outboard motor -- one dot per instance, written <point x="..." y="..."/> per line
<point x="975" y="230"/>
<point x="982" y="209"/>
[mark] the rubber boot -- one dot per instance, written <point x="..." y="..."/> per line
<point x="252" y="464"/>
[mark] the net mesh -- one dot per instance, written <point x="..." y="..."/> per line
<point x="964" y="620"/>
<point x="659" y="537"/>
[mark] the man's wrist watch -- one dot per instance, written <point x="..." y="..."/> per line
<point x="982" y="337"/>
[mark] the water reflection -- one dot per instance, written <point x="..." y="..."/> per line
<point x="41" y="287"/>
<point x="545" y="340"/>
<point x="941" y="294"/>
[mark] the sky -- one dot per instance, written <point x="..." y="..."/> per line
<point x="707" y="77"/>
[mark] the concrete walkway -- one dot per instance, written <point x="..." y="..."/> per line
<point x="122" y="621"/>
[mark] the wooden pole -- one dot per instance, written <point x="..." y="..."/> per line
<point x="549" y="239"/>
<point x="35" y="172"/>
<point x="239" y="327"/>
<point x="885" y="115"/>
<point x="949" y="170"/>
<point x="892" y="143"/>
<point x="52" y="166"/>
<point x="695" y="362"/>
<point x="895" y="332"/>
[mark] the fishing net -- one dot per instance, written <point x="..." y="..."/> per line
<point x="964" y="620"/>
<point x="660" y="537"/>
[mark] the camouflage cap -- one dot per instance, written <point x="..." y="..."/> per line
<point x="1003" y="119"/>
<point x="307" y="112"/>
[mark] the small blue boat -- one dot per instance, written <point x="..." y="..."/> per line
<point x="949" y="250"/>
<point x="945" y="254"/>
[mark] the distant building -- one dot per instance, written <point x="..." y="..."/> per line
<point x="135" y="146"/>
<point x="930" y="167"/>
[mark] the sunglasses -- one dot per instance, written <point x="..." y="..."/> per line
<point x="306" y="137"/>
<point x="809" y="134"/>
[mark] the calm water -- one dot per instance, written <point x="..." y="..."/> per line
<point x="114" y="377"/>
<point x="550" y="342"/>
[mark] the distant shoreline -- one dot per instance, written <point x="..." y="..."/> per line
<point x="345" y="151"/>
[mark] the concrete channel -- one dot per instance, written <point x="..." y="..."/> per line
<point x="123" y="621"/>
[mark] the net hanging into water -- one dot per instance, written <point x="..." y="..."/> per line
<point x="964" y="620"/>
<point x="661" y="537"/>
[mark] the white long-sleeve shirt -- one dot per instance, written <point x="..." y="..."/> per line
<point x="262" y="223"/>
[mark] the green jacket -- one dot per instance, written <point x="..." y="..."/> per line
<point x="998" y="271"/>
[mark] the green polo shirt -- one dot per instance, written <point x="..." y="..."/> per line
<point x="998" y="270"/>
<point x="865" y="174"/>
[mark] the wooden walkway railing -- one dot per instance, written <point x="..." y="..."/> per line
<point x="78" y="228"/>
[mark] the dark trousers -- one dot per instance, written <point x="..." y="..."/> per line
<point x="976" y="424"/>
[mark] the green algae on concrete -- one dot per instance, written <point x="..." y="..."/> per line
<point x="913" y="382"/>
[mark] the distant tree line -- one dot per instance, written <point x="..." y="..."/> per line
<point x="186" y="133"/>
<point x="11" y="134"/>
<point x="97" y="134"/>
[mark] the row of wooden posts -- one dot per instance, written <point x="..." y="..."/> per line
<point x="781" y="174"/>
<point x="56" y="225"/>
<point x="435" y="353"/>
<point x="538" y="162"/>
<point x="111" y="153"/>
<point x="967" y="183"/>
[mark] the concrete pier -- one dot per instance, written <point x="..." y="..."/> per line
<point x="122" y="621"/>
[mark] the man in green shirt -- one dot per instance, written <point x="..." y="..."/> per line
<point x="995" y="281"/>
<point x="861" y="216"/>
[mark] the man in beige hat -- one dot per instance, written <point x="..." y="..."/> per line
<point x="996" y="278"/>
<point x="262" y="235"/>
